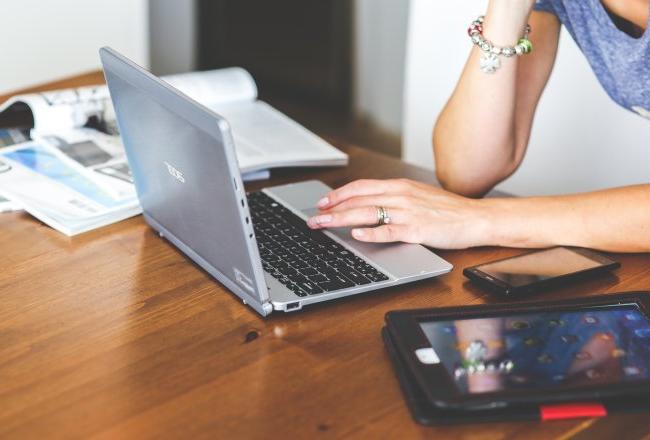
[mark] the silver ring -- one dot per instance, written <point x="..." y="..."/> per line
<point x="382" y="216"/>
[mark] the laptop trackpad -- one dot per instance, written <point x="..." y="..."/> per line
<point x="310" y="212"/>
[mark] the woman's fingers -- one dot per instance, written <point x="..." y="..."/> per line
<point x="360" y="188"/>
<point x="363" y="216"/>
<point x="386" y="234"/>
<point x="387" y="201"/>
<point x="357" y="188"/>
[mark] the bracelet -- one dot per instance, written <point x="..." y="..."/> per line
<point x="490" y="61"/>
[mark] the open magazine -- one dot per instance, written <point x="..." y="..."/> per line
<point x="58" y="192"/>
<point x="74" y="132"/>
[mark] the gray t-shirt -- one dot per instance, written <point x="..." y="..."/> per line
<point x="620" y="61"/>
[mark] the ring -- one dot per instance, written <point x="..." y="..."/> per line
<point x="382" y="216"/>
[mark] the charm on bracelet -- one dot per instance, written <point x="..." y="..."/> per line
<point x="489" y="62"/>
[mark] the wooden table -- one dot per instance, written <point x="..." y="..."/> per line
<point x="114" y="334"/>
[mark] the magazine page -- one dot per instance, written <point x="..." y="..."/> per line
<point x="54" y="191"/>
<point x="266" y="138"/>
<point x="213" y="87"/>
<point x="100" y="157"/>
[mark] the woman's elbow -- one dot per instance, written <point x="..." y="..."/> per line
<point x="468" y="176"/>
<point x="459" y="183"/>
<point x="452" y="171"/>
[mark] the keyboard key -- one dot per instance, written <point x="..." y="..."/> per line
<point x="310" y="287"/>
<point x="336" y="283"/>
<point x="288" y="271"/>
<point x="298" y="278"/>
<point x="377" y="276"/>
<point x="319" y="278"/>
<point x="321" y="265"/>
<point x="309" y="272"/>
<point x="300" y="264"/>
<point x="355" y="276"/>
<point x="284" y="280"/>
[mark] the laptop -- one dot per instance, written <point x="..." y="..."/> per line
<point x="258" y="245"/>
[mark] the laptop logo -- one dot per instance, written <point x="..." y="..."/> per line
<point x="244" y="281"/>
<point x="174" y="172"/>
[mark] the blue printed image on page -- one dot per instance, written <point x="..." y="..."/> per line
<point x="38" y="159"/>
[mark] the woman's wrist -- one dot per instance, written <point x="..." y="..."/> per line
<point x="525" y="222"/>
<point x="488" y="223"/>
<point x="504" y="224"/>
<point x="506" y="20"/>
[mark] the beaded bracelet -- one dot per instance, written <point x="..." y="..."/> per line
<point x="490" y="61"/>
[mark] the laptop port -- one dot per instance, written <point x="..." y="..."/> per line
<point x="293" y="306"/>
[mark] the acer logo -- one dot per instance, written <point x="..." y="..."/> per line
<point x="175" y="173"/>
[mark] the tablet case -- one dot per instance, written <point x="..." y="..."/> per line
<point x="425" y="413"/>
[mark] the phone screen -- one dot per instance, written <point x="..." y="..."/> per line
<point x="589" y="346"/>
<point x="538" y="266"/>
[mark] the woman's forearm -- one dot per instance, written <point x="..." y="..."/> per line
<point x="616" y="220"/>
<point x="482" y="133"/>
<point x="478" y="121"/>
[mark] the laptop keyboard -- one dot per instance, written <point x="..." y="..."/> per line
<point x="307" y="262"/>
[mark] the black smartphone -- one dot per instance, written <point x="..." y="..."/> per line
<point x="537" y="270"/>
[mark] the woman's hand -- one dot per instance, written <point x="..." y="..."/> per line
<point x="419" y="213"/>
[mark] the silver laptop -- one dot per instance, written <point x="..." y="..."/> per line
<point x="182" y="156"/>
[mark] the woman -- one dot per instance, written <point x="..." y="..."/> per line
<point x="499" y="94"/>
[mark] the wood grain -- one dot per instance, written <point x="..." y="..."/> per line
<point x="114" y="334"/>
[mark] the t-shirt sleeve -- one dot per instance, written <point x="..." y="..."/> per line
<point x="545" y="5"/>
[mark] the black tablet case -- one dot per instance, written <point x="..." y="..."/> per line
<point x="425" y="413"/>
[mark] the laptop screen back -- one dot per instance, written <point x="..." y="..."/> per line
<point x="186" y="175"/>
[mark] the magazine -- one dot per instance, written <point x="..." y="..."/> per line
<point x="51" y="188"/>
<point x="264" y="137"/>
<point x="65" y="162"/>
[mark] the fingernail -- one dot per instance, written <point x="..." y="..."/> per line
<point x="357" y="233"/>
<point x="322" y="219"/>
<point x="323" y="202"/>
<point x="319" y="220"/>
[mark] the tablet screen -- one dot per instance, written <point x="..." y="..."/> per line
<point x="591" y="346"/>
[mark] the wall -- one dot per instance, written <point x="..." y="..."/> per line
<point x="380" y="40"/>
<point x="47" y="40"/>
<point x="172" y="30"/>
<point x="581" y="140"/>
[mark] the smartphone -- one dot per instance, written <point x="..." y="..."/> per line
<point x="534" y="271"/>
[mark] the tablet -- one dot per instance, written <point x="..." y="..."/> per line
<point x="482" y="357"/>
<point x="424" y="413"/>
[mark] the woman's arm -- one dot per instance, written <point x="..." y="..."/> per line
<point x="482" y="133"/>
<point x="616" y="220"/>
<point x="612" y="220"/>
